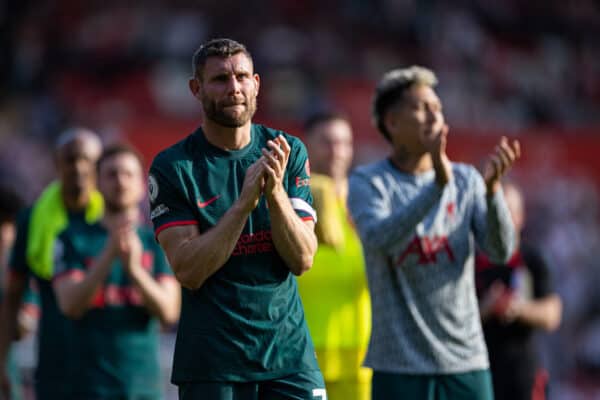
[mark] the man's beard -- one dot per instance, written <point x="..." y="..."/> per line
<point x="215" y="113"/>
<point x="114" y="207"/>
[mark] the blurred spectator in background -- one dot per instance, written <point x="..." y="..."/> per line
<point x="419" y="216"/>
<point x="72" y="199"/>
<point x="335" y="294"/>
<point x="112" y="278"/>
<point x="516" y="299"/>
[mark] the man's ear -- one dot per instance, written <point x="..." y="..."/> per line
<point x="194" y="85"/>
<point x="257" y="80"/>
<point x="390" y="121"/>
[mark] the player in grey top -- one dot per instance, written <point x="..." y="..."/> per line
<point x="419" y="217"/>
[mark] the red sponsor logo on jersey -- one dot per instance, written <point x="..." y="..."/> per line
<point x="427" y="248"/>
<point x="115" y="295"/>
<point x="253" y="243"/>
<point x="302" y="182"/>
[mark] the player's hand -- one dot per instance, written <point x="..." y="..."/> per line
<point x="121" y="230"/>
<point x="435" y="141"/>
<point x="130" y="249"/>
<point x="435" y="144"/>
<point x="253" y="186"/>
<point x="504" y="156"/>
<point x="275" y="163"/>
<point x="512" y="310"/>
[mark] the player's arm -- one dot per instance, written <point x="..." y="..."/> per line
<point x="195" y="256"/>
<point x="381" y="223"/>
<point x="160" y="297"/>
<point x="294" y="238"/>
<point x="492" y="225"/>
<point x="75" y="289"/>
<point x="544" y="310"/>
<point x="544" y="313"/>
<point x="29" y="313"/>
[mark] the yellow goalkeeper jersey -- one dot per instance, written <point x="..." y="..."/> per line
<point x="334" y="292"/>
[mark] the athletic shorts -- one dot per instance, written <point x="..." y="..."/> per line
<point x="300" y="386"/>
<point x="474" y="385"/>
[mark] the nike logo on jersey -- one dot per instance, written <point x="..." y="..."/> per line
<point x="202" y="204"/>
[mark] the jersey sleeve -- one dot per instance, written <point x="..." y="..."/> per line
<point x="18" y="256"/>
<point x="380" y="225"/>
<point x="168" y="204"/>
<point x="491" y="221"/>
<point x="298" y="181"/>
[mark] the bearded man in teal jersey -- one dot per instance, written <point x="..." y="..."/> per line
<point x="113" y="281"/>
<point x="232" y="208"/>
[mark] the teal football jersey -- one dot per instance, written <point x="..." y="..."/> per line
<point x="116" y="341"/>
<point x="246" y="322"/>
<point x="54" y="338"/>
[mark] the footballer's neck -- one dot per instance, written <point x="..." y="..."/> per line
<point x="225" y="137"/>
<point x="412" y="163"/>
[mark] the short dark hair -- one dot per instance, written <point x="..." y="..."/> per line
<point x="221" y="47"/>
<point x="392" y="87"/>
<point x="322" y="116"/>
<point x="10" y="203"/>
<point x="116" y="149"/>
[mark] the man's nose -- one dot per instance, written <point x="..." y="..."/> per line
<point x="233" y="85"/>
<point x="431" y="114"/>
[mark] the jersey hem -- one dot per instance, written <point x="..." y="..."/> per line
<point x="453" y="370"/>
<point x="250" y="377"/>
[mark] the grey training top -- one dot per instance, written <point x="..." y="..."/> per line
<point x="419" y="244"/>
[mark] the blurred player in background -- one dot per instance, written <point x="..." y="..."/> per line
<point x="231" y="207"/>
<point x="516" y="299"/>
<point x="335" y="294"/>
<point x="112" y="278"/>
<point x="71" y="200"/>
<point x="419" y="216"/>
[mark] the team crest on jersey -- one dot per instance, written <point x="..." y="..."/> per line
<point x="152" y="188"/>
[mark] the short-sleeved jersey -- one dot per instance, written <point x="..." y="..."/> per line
<point x="116" y="340"/>
<point x="246" y="322"/>
<point x="54" y="329"/>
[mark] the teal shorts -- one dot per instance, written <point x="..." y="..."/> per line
<point x="300" y="386"/>
<point x="475" y="385"/>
